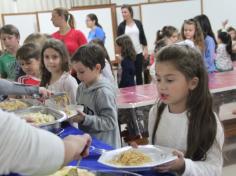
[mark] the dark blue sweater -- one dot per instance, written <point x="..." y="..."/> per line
<point x="128" y="72"/>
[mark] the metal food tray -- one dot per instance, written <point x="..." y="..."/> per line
<point x="54" y="126"/>
<point x="26" y="101"/>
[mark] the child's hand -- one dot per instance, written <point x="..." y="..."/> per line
<point x="177" y="165"/>
<point x="133" y="144"/>
<point x="118" y="58"/>
<point x="80" y="117"/>
<point x="224" y="23"/>
<point x="145" y="53"/>
<point x="31" y="121"/>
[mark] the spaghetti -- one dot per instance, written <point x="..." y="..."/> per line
<point x="131" y="157"/>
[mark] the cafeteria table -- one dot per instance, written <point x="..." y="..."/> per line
<point x="135" y="102"/>
<point x="90" y="162"/>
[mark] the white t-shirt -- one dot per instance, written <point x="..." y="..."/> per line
<point x="172" y="132"/>
<point x="133" y="33"/>
<point x="107" y="72"/>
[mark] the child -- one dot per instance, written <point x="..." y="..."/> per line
<point x="191" y="30"/>
<point x="170" y="33"/>
<point x="10" y="36"/>
<point x="97" y="95"/>
<point x="107" y="71"/>
<point x="37" y="38"/>
<point x="223" y="53"/>
<point x="126" y="49"/>
<point x="183" y="118"/>
<point x="55" y="67"/>
<point x="29" y="58"/>
<point x="232" y="32"/>
<point x="209" y="42"/>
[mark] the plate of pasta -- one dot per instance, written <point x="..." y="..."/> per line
<point x="143" y="158"/>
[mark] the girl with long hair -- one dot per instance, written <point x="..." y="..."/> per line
<point x="126" y="50"/>
<point x="55" y="69"/>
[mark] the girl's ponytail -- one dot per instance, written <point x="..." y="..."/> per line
<point x="97" y="24"/>
<point x="226" y="39"/>
<point x="229" y="46"/>
<point x="159" y="35"/>
<point x="71" y="21"/>
<point x="93" y="17"/>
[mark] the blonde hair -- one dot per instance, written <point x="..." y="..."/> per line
<point x="37" y="38"/>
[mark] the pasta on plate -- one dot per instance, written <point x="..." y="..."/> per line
<point x="131" y="157"/>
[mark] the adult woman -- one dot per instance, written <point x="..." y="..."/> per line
<point x="96" y="31"/>
<point x="67" y="33"/>
<point x="209" y="42"/>
<point x="134" y="29"/>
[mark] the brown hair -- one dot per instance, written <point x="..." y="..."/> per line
<point x="90" y="55"/>
<point x="198" y="35"/>
<point x="127" y="48"/>
<point x="202" y="123"/>
<point x="129" y="8"/>
<point x="101" y="44"/>
<point x="93" y="17"/>
<point x="166" y="31"/>
<point x="38" y="38"/>
<point x="69" y="18"/>
<point x="58" y="46"/>
<point x="229" y="29"/>
<point x="10" y="29"/>
<point x="28" y="51"/>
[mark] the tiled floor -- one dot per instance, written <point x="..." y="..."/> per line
<point x="229" y="170"/>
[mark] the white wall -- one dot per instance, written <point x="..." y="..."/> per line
<point x="46" y="25"/>
<point x="20" y="22"/>
<point x="120" y="2"/>
<point x="218" y="11"/>
<point x="157" y="15"/>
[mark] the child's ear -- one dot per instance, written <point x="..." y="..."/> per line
<point x="98" y="67"/>
<point x="193" y="83"/>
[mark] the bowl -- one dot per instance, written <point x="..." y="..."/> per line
<point x="85" y="171"/>
<point x="12" y="105"/>
<point x="53" y="126"/>
<point x="115" y="173"/>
